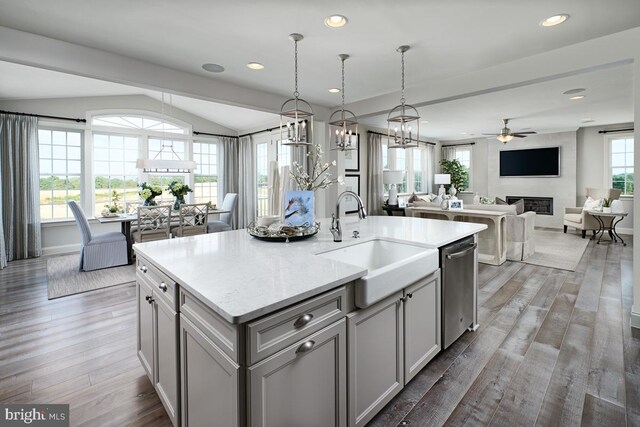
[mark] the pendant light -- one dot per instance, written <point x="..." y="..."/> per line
<point x="401" y="118"/>
<point x="159" y="165"/>
<point x="296" y="114"/>
<point x="344" y="124"/>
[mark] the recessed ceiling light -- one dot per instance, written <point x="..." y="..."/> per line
<point x="255" y="66"/>
<point x="336" y="21"/>
<point x="554" y="20"/>
<point x="587" y="120"/>
<point x="463" y="133"/>
<point x="573" y="91"/>
<point x="334" y="90"/>
<point x="575" y="98"/>
<point x="214" y="68"/>
<point x="424" y="121"/>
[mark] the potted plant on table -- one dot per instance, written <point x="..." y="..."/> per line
<point x="178" y="190"/>
<point x="459" y="175"/>
<point x="606" y="205"/>
<point x="112" y="209"/>
<point x="148" y="193"/>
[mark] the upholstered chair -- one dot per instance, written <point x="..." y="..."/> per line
<point x="98" y="251"/>
<point x="578" y="217"/>
<point x="226" y="219"/>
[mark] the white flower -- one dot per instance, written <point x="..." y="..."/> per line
<point x="341" y="180"/>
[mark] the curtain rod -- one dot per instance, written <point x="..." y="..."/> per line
<point x="214" y="134"/>
<point x="616" y="130"/>
<point x="458" y="145"/>
<point x="265" y="130"/>
<point x="41" y="116"/>
<point x="384" y="134"/>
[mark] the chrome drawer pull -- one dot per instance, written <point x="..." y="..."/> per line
<point x="463" y="253"/>
<point x="148" y="297"/>
<point x="307" y="346"/>
<point x="303" y="320"/>
<point x="143" y="268"/>
<point x="163" y="286"/>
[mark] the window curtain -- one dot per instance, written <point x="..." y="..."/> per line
<point x="375" y="189"/>
<point x="230" y="153"/>
<point x="20" y="234"/>
<point x="430" y="162"/>
<point x="448" y="153"/>
<point x="246" y="182"/>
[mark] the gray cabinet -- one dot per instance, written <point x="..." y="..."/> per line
<point x="422" y="337"/>
<point x="157" y="345"/>
<point x="145" y="328"/>
<point x="376" y="360"/>
<point x="166" y="356"/>
<point x="210" y="381"/>
<point x="304" y="384"/>
<point x="389" y="343"/>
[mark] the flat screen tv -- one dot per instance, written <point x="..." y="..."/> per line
<point x="530" y="162"/>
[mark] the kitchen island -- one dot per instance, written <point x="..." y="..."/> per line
<point x="237" y="331"/>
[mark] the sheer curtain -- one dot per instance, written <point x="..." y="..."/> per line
<point x="20" y="236"/>
<point x="375" y="189"/>
<point x="430" y="161"/>
<point x="246" y="183"/>
<point x="449" y="153"/>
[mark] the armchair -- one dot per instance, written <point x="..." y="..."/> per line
<point x="579" y="219"/>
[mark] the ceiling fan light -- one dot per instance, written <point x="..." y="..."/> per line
<point x="505" y="138"/>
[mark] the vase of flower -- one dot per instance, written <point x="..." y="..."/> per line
<point x="148" y="193"/>
<point x="178" y="190"/>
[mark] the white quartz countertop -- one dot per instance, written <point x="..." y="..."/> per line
<point x="242" y="278"/>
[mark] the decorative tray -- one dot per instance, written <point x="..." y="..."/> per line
<point x="280" y="232"/>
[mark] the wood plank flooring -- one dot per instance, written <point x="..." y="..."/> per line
<point x="554" y="348"/>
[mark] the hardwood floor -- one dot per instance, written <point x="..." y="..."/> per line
<point x="554" y="348"/>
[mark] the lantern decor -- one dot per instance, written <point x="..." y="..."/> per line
<point x="296" y="114"/>
<point x="401" y="118"/>
<point x="344" y="124"/>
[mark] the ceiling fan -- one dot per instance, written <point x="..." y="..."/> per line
<point x="506" y="135"/>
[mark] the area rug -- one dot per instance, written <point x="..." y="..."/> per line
<point x="64" y="278"/>
<point x="557" y="250"/>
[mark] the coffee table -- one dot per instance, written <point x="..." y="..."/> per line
<point x="611" y="228"/>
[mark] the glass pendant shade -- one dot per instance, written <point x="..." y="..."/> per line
<point x="505" y="138"/>
<point x="403" y="120"/>
<point x="296" y="114"/>
<point x="343" y="123"/>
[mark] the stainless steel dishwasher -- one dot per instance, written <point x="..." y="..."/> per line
<point x="458" y="265"/>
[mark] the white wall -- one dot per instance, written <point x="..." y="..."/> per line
<point x="63" y="236"/>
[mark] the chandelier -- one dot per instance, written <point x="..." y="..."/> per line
<point x="401" y="118"/>
<point x="343" y="122"/>
<point x="296" y="114"/>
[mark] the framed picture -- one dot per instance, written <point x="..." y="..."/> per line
<point x="352" y="157"/>
<point x="299" y="208"/>
<point x="455" y="205"/>
<point x="351" y="182"/>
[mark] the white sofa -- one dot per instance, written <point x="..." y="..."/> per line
<point x="519" y="233"/>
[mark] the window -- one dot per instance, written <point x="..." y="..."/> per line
<point x="140" y="123"/>
<point x="415" y="162"/>
<point x="205" y="188"/>
<point x="621" y="165"/>
<point x="114" y="169"/>
<point x="463" y="155"/>
<point x="60" y="171"/>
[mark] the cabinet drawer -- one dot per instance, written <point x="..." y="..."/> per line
<point x="222" y="333"/>
<point x="271" y="334"/>
<point x="162" y="284"/>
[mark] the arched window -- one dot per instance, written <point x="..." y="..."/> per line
<point x="140" y="122"/>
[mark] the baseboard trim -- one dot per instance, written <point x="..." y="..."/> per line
<point x="627" y="231"/>
<point x="62" y="249"/>
<point x="635" y="318"/>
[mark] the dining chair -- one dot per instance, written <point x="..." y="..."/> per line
<point x="101" y="250"/>
<point x="193" y="220"/>
<point x="226" y="219"/>
<point x="154" y="223"/>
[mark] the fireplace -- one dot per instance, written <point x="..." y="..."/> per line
<point x="539" y="205"/>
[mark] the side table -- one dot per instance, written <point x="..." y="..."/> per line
<point x="611" y="228"/>
<point x="390" y="209"/>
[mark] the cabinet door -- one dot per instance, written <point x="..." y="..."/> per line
<point x="166" y="356"/>
<point x="209" y="381"/>
<point x="421" y="324"/>
<point x="375" y="358"/>
<point x="145" y="328"/>
<point x="304" y="384"/>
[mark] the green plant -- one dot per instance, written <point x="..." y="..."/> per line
<point x="178" y="189"/>
<point x="606" y="203"/>
<point x="114" y="207"/>
<point x="459" y="173"/>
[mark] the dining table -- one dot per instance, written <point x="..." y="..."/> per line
<point x="125" y="221"/>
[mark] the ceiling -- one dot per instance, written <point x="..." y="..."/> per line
<point x="448" y="38"/>
<point x="23" y="82"/>
<point x="540" y="107"/>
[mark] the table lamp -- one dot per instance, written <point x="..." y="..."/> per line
<point x="391" y="178"/>
<point x="442" y="178"/>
